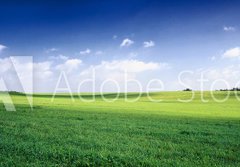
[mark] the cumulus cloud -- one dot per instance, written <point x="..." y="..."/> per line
<point x="229" y="28"/>
<point x="213" y="78"/>
<point x="42" y="70"/>
<point x="2" y="47"/>
<point x="148" y="44"/>
<point x="17" y="73"/>
<point x="126" y="42"/>
<point x="132" y="66"/>
<point x="5" y="65"/>
<point x="120" y="71"/>
<point x="46" y="73"/>
<point x="232" y="53"/>
<point x="230" y="74"/>
<point x="85" y="52"/>
<point x="69" y="65"/>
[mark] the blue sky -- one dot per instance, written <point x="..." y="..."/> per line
<point x="175" y="35"/>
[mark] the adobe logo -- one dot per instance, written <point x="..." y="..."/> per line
<point x="16" y="75"/>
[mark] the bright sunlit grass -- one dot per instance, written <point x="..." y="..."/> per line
<point x="143" y="133"/>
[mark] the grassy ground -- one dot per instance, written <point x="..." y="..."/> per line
<point x="144" y="133"/>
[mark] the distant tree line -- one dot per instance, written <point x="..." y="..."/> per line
<point x="13" y="92"/>
<point x="233" y="89"/>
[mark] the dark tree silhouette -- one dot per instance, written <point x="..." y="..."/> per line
<point x="187" y="89"/>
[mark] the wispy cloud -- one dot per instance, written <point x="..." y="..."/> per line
<point x="126" y="42"/>
<point x="232" y="53"/>
<point x="148" y="44"/>
<point x="85" y="52"/>
<point x="51" y="50"/>
<point x="2" y="47"/>
<point x="229" y="28"/>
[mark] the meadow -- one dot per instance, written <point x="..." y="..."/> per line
<point x="143" y="133"/>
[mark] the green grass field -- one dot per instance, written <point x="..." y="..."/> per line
<point x="144" y="133"/>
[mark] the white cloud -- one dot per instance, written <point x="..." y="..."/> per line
<point x="44" y="78"/>
<point x="148" y="44"/>
<point x="69" y="65"/>
<point x="229" y="28"/>
<point x="2" y="47"/>
<point x="230" y="74"/>
<point x="59" y="57"/>
<point x="214" y="77"/>
<point x="5" y="65"/>
<point x="232" y="53"/>
<point x="42" y="70"/>
<point x="119" y="70"/>
<point x="46" y="73"/>
<point x="132" y="66"/>
<point x="85" y="52"/>
<point x="51" y="50"/>
<point x="126" y="42"/>
<point x="17" y="73"/>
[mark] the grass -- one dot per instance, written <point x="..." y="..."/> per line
<point x="144" y="133"/>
